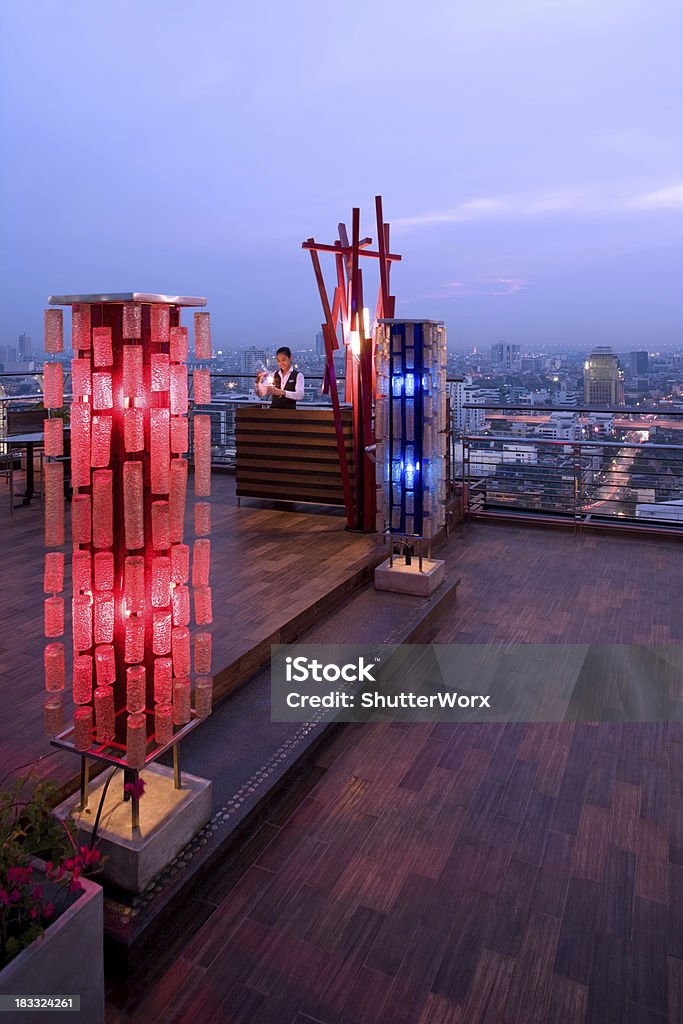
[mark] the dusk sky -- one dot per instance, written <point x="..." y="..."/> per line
<point x="529" y="152"/>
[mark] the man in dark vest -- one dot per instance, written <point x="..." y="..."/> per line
<point x="288" y="384"/>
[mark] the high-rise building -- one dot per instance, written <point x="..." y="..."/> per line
<point x="460" y="393"/>
<point x="638" y="363"/>
<point x="507" y="357"/>
<point x="25" y="347"/>
<point x="8" y="354"/>
<point x="603" y="380"/>
<point x="251" y="358"/>
<point x="319" y="344"/>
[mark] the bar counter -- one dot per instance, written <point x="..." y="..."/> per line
<point x="292" y="455"/>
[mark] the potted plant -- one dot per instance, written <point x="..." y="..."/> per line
<point x="51" y="931"/>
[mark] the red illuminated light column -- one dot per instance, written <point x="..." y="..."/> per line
<point x="132" y="670"/>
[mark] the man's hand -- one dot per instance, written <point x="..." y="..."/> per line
<point x="272" y="390"/>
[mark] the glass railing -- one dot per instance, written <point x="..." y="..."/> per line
<point x="620" y="465"/>
<point x="21" y="397"/>
<point x="630" y="475"/>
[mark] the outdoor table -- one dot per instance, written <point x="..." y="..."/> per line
<point x="27" y="441"/>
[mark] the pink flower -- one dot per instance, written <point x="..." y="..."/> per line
<point x="38" y="892"/>
<point x="75" y="885"/>
<point x="18" y="875"/>
<point x="48" y="910"/>
<point x="34" y="913"/>
<point x="136" y="789"/>
<point x="4" y="897"/>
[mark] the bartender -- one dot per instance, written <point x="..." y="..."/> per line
<point x="288" y="384"/>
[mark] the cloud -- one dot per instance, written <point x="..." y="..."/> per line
<point x="607" y="202"/>
<point x="489" y="207"/>
<point x="471" y="209"/>
<point x="489" y="287"/>
<point x="670" y="198"/>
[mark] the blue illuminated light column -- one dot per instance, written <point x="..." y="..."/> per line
<point x="410" y="427"/>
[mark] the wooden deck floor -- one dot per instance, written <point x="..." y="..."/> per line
<point x="267" y="566"/>
<point x="464" y="874"/>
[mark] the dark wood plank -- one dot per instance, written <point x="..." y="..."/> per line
<point x="533" y="834"/>
<point x="653" y="799"/>
<point x="512" y="909"/>
<point x="490" y="989"/>
<point x="601" y="778"/>
<point x="375" y="988"/>
<point x="531" y="989"/>
<point x="653" y="861"/>
<point x="675" y="988"/>
<point x="675" y="911"/>
<point x="241" y="1006"/>
<point x="569" y="804"/>
<point x="232" y="962"/>
<point x="568" y="1001"/>
<point x="412" y="984"/>
<point x="590" y="852"/>
<point x="456" y="972"/>
<point x="676" y="829"/>
<point x="609" y="995"/>
<point x="620" y="880"/>
<point x="625" y="814"/>
<point x="577" y="935"/>
<point x="553" y="878"/>
<point x="420" y="770"/>
<point x="650" y="955"/>
<point x="518" y="790"/>
<point x="396" y="933"/>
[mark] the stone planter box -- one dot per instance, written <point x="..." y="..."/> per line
<point x="67" y="960"/>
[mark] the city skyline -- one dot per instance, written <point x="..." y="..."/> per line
<point x="528" y="156"/>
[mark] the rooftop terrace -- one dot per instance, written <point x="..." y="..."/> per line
<point x="425" y="874"/>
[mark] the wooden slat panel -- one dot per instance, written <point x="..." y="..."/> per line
<point x="302" y="413"/>
<point x="286" y="429"/>
<point x="324" y="457"/>
<point x="291" y="456"/>
<point x="297" y="486"/>
<point x="265" y="449"/>
<point x="310" y="468"/>
<point x="315" y="499"/>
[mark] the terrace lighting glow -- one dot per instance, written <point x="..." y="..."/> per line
<point x="130" y="616"/>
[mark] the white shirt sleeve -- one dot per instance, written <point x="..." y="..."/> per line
<point x="261" y="390"/>
<point x="298" y="394"/>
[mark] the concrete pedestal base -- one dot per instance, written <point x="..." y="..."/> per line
<point x="169" y="818"/>
<point x="407" y="579"/>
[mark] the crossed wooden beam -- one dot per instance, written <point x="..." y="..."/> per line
<point x="345" y="311"/>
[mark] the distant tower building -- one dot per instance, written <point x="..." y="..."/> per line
<point x="251" y="358"/>
<point x="25" y="347"/>
<point x="638" y="363"/>
<point x="460" y="393"/>
<point x="603" y="380"/>
<point x="507" y="357"/>
<point x="320" y="344"/>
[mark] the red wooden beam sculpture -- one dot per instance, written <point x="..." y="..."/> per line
<point x="347" y="322"/>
